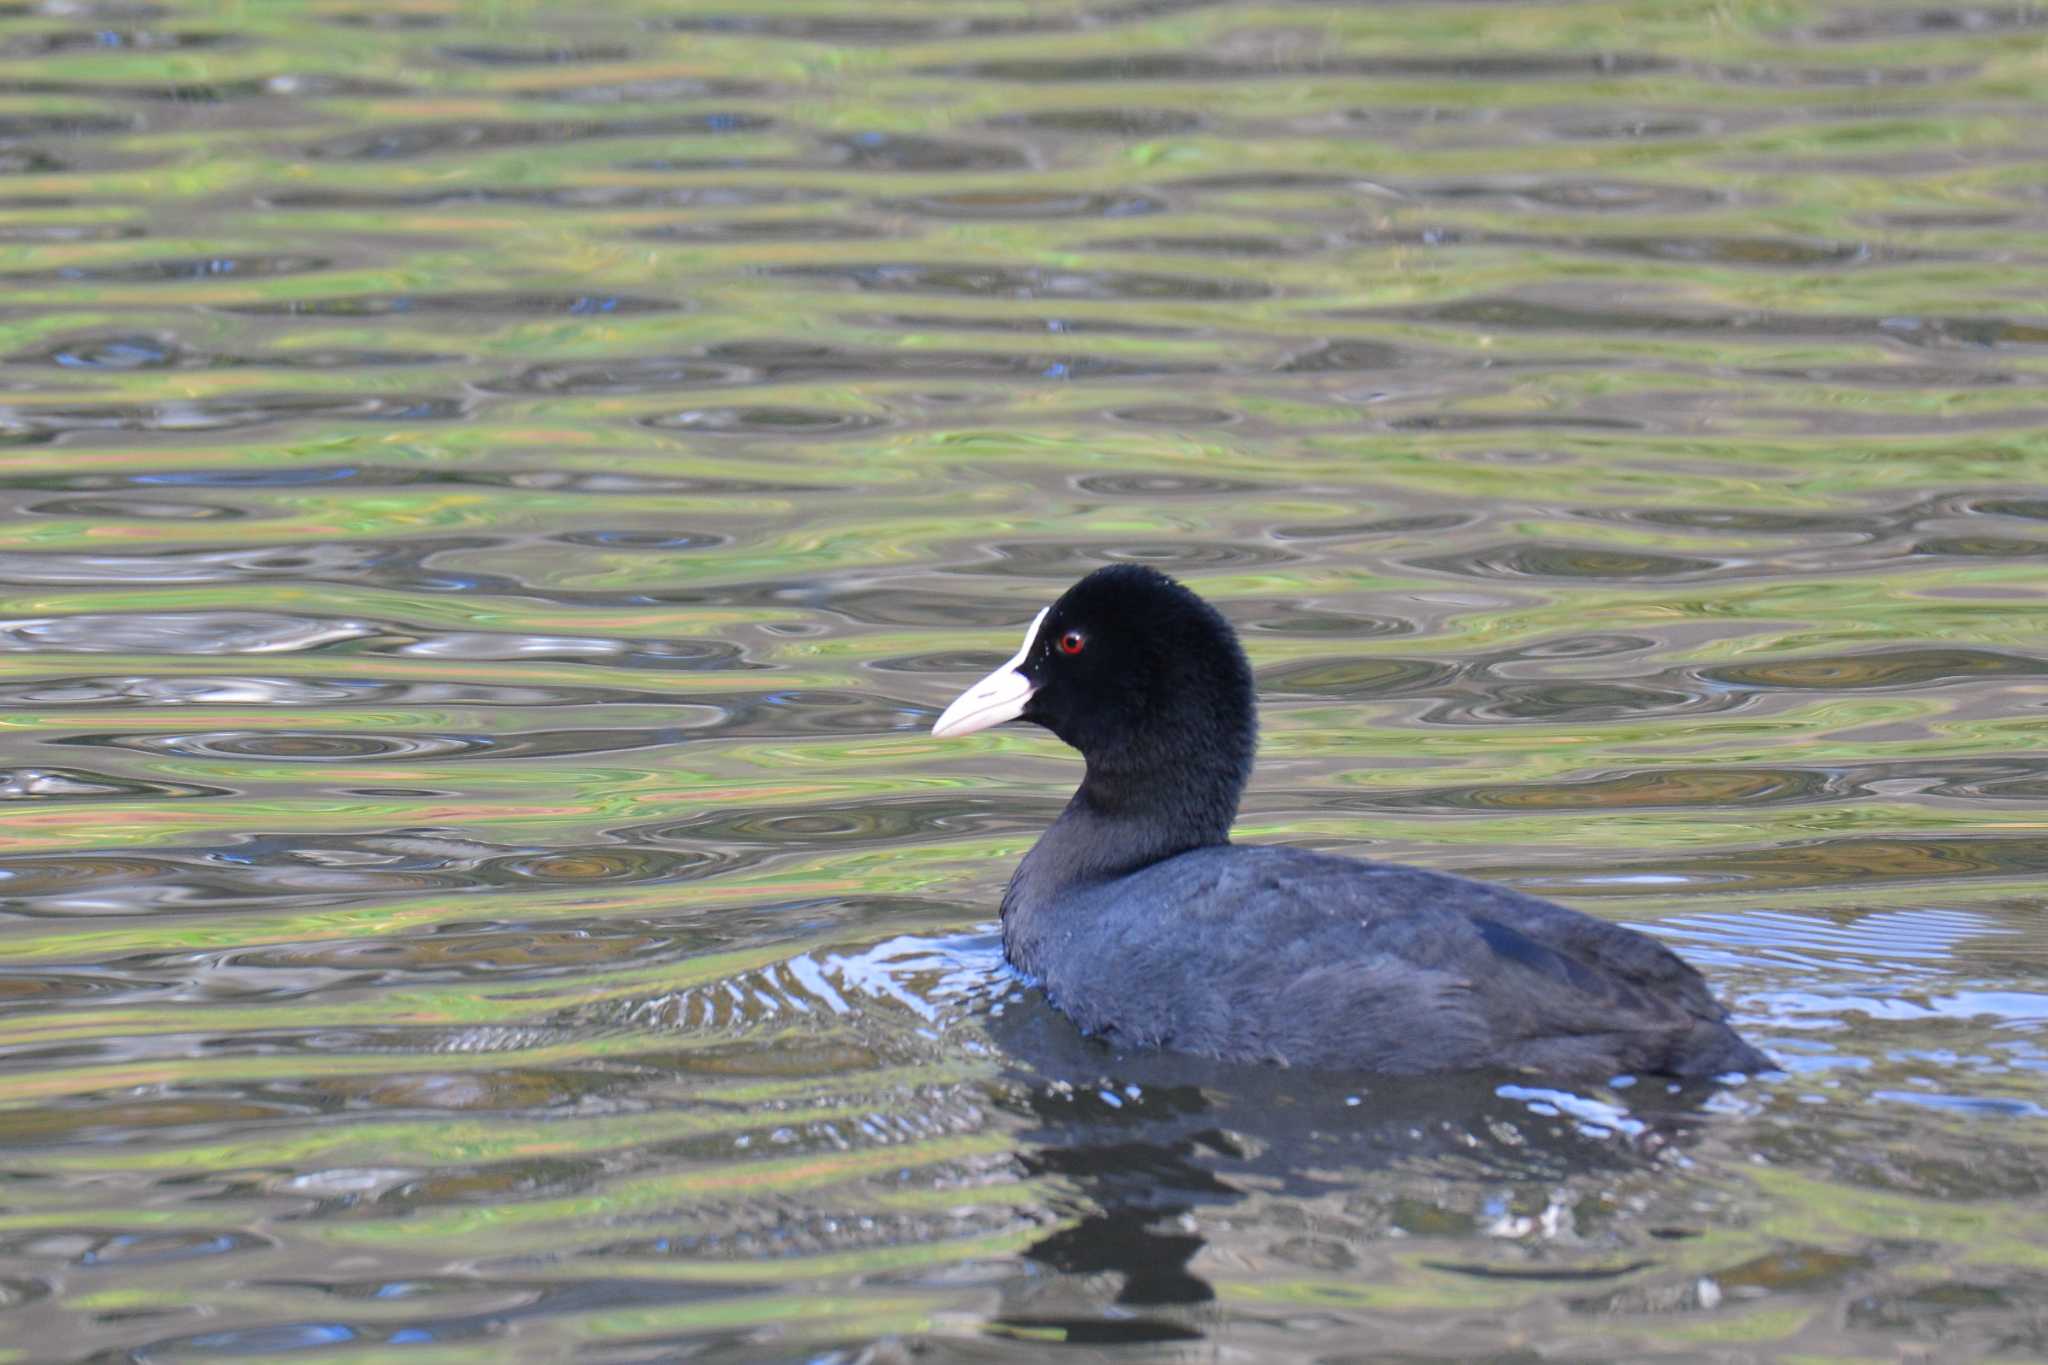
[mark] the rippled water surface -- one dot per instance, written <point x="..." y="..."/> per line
<point x="494" y="496"/>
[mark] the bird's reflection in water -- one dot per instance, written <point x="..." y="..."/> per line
<point x="1153" y="1151"/>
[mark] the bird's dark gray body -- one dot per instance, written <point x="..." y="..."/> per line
<point x="1274" y="954"/>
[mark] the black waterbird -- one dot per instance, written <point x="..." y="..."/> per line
<point x="1150" y="929"/>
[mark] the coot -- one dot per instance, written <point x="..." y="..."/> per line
<point x="1150" y="929"/>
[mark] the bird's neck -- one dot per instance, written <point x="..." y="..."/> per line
<point x="1125" y="816"/>
<point x="1165" y="801"/>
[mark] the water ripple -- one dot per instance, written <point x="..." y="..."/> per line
<point x="1935" y="333"/>
<point x="435" y="139"/>
<point x="77" y="784"/>
<point x="41" y="694"/>
<point x="1679" y="787"/>
<point x="174" y="268"/>
<point x="177" y="633"/>
<point x="23" y="422"/>
<point x="764" y="421"/>
<point x="401" y="564"/>
<point x="322" y="869"/>
<point x="1537" y="560"/>
<point x="984" y="281"/>
<point x="1063" y="560"/>
<point x="585" y="197"/>
<point x="1878" y="670"/>
<point x="304" y="746"/>
<point x="133" y="351"/>
<point x="506" y="304"/>
<point x="978" y="205"/>
<point x="879" y="822"/>
<point x="1175" y="66"/>
<point x="1827" y="862"/>
<point x="388" y="476"/>
<point x="214" y="633"/>
<point x="53" y="42"/>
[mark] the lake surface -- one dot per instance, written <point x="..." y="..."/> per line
<point x="495" y="496"/>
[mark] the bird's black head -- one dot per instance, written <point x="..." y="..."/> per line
<point x="1143" y="677"/>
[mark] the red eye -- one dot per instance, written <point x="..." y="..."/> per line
<point x="1073" y="642"/>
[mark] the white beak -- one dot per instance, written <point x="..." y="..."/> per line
<point x="998" y="697"/>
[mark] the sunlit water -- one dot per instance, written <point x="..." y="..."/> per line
<point x="496" y="495"/>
